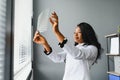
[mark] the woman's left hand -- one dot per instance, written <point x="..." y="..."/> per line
<point x="54" y="21"/>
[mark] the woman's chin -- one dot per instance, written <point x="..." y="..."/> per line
<point x="76" y="41"/>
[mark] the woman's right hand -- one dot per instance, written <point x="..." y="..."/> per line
<point x="39" y="39"/>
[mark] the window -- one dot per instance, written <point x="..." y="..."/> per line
<point x="22" y="39"/>
<point x="2" y="37"/>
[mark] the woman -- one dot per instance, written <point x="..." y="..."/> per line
<point x="79" y="57"/>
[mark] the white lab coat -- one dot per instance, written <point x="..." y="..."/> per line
<point x="78" y="60"/>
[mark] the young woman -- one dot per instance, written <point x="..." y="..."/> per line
<point x="78" y="58"/>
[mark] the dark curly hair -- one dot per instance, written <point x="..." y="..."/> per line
<point x="89" y="36"/>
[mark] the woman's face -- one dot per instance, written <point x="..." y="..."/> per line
<point x="78" y="35"/>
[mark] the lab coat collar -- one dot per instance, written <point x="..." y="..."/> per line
<point x="80" y="44"/>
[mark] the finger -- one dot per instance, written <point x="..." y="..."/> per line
<point x="37" y="32"/>
<point x="36" y="39"/>
<point x="55" y="13"/>
<point x="53" y="16"/>
<point x="35" y="36"/>
<point x="51" y="21"/>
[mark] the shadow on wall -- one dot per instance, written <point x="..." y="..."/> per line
<point x="39" y="75"/>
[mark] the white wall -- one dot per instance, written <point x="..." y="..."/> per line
<point x="103" y="15"/>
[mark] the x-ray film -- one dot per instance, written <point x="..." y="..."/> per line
<point x="43" y="20"/>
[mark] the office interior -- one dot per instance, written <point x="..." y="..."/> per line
<point x="22" y="59"/>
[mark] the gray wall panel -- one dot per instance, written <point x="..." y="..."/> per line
<point x="103" y="15"/>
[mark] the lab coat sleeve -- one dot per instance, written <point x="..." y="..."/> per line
<point x="81" y="52"/>
<point x="57" y="57"/>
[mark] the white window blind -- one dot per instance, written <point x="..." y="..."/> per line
<point x="2" y="36"/>
<point x="22" y="39"/>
